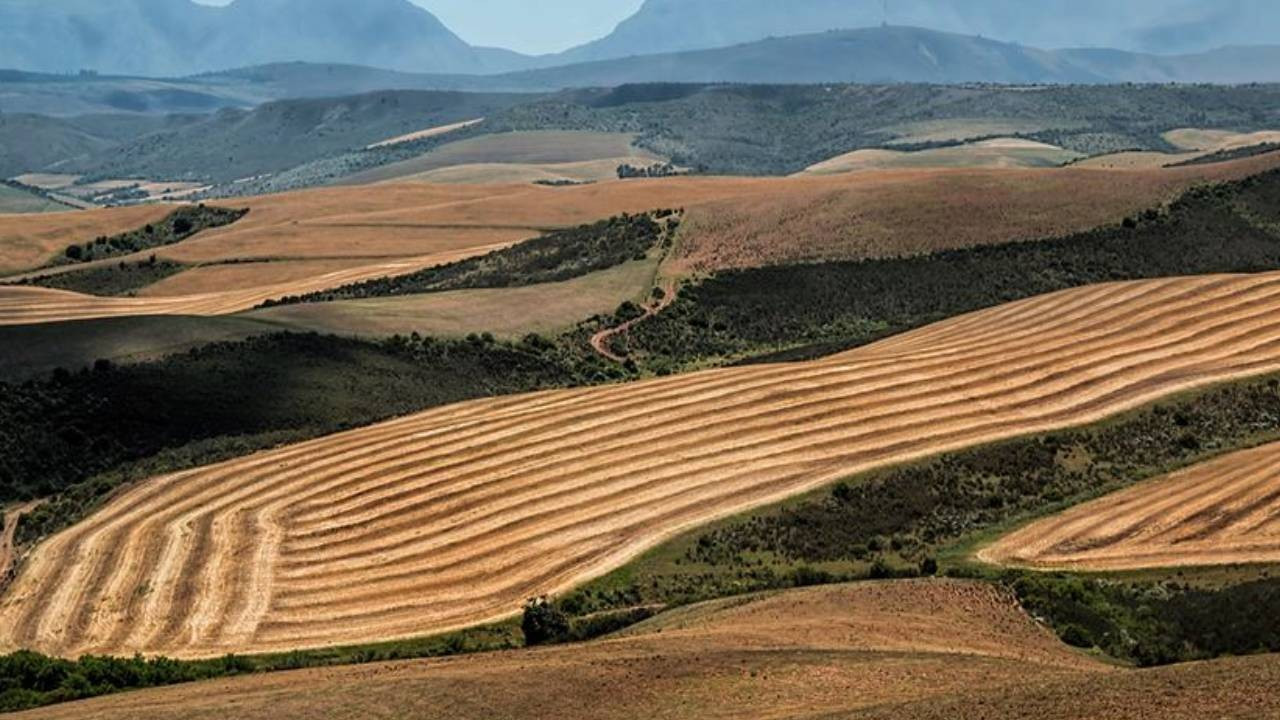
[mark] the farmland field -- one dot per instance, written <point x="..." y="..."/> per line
<point x="28" y="241"/>
<point x="453" y="550"/>
<point x="509" y="313"/>
<point x="1223" y="512"/>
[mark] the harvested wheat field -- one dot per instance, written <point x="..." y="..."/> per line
<point x="31" y="240"/>
<point x="887" y="213"/>
<point x="1226" y="511"/>
<point x="938" y="649"/>
<point x="825" y="649"/>
<point x="31" y="305"/>
<point x="454" y="516"/>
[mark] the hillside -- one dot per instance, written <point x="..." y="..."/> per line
<point x="32" y="142"/>
<point x="168" y="38"/>
<point x="1156" y="26"/>
<point x="362" y="534"/>
<point x="233" y="144"/>
<point x="906" y="54"/>
<point x="783" y="655"/>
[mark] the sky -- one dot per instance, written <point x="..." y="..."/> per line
<point x="531" y="26"/>
<point x="528" y="26"/>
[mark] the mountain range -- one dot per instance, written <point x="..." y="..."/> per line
<point x="173" y="38"/>
<point x="870" y="55"/>
<point x="169" y="38"/>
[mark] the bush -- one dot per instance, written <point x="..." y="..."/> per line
<point x="544" y="623"/>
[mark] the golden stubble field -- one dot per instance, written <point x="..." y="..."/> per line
<point x="1222" y="512"/>
<point x="455" y="516"/>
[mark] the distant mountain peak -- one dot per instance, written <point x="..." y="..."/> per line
<point x="180" y="37"/>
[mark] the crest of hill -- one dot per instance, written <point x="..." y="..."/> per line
<point x="1159" y="26"/>
<point x="902" y="54"/>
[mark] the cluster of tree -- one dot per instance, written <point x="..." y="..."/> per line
<point x="1156" y="623"/>
<point x="656" y="170"/>
<point x="799" y="311"/>
<point x="29" y="679"/>
<point x="563" y="182"/>
<point x="553" y="257"/>
<point x="546" y="622"/>
<point x="176" y="227"/>
<point x="123" y="278"/>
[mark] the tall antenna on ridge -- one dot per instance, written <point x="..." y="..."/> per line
<point x="885" y="22"/>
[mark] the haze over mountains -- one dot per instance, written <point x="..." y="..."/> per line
<point x="174" y="38"/>
<point x="1151" y="26"/>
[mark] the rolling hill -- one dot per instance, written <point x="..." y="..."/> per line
<point x="232" y="144"/>
<point x="438" y="520"/>
<point x="906" y="54"/>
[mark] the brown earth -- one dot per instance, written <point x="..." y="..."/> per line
<point x="785" y="655"/>
<point x="1222" y="512"/>
<point x="454" y="516"/>
<point x="921" y="649"/>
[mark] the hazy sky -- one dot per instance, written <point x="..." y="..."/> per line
<point x="531" y="26"/>
<point x="528" y="26"/>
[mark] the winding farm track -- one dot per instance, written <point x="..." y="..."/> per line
<point x="21" y="305"/>
<point x="454" y="516"/>
<point x="600" y="341"/>
<point x="1221" y="512"/>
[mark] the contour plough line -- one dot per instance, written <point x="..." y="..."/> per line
<point x="454" y="516"/>
<point x="1224" y="511"/>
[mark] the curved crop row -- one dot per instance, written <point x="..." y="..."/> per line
<point x="455" y="516"/>
<point x="1222" y="512"/>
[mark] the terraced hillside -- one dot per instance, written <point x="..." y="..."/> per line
<point x="1222" y="512"/>
<point x="941" y="649"/>
<point x="454" y="516"/>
